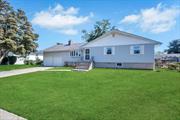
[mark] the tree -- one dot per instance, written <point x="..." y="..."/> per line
<point x="100" y="28"/>
<point x="16" y="32"/>
<point x="174" y="47"/>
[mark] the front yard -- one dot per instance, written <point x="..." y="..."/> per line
<point x="13" y="67"/>
<point x="101" y="94"/>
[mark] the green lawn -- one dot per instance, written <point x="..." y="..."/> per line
<point x="12" y="67"/>
<point x="101" y="94"/>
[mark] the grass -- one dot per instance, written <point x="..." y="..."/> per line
<point x="101" y="94"/>
<point x="12" y="67"/>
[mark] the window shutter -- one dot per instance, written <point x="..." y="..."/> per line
<point x="113" y="50"/>
<point x="131" y="50"/>
<point x="142" y="49"/>
<point x="104" y="51"/>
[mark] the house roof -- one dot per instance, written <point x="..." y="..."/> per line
<point x="167" y="55"/>
<point x="116" y="31"/>
<point x="61" y="47"/>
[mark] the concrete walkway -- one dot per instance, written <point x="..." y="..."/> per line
<point x="22" y="71"/>
<point x="5" y="115"/>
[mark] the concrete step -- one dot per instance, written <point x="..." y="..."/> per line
<point x="84" y="64"/>
<point x="82" y="67"/>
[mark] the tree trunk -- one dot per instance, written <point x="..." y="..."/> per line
<point x="1" y="58"/>
<point x="2" y="55"/>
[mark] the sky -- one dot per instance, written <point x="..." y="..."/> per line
<point x="63" y="20"/>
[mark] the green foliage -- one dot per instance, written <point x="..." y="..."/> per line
<point x="174" y="47"/>
<point x="33" y="62"/>
<point x="16" y="32"/>
<point x="38" y="61"/>
<point x="4" y="61"/>
<point x="29" y="62"/>
<point x="100" y="28"/>
<point x="174" y="66"/>
<point x="12" y="60"/>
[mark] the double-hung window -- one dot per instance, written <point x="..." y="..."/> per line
<point x="109" y="51"/>
<point x="137" y="49"/>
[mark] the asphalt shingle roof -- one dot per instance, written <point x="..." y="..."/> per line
<point x="61" y="47"/>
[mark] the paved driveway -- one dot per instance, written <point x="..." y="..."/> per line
<point x="22" y="71"/>
<point x="5" y="115"/>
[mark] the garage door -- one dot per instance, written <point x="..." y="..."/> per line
<point x="53" y="61"/>
<point x="57" y="61"/>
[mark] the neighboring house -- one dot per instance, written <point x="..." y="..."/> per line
<point x="20" y="60"/>
<point x="31" y="56"/>
<point x="115" y="49"/>
<point x="167" y="58"/>
<point x="34" y="56"/>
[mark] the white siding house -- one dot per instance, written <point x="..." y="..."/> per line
<point x="115" y="49"/>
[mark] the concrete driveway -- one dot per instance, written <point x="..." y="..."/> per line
<point x="22" y="71"/>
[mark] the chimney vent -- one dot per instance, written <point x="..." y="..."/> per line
<point x="59" y="43"/>
<point x="69" y="42"/>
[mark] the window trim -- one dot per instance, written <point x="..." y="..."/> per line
<point x="75" y="53"/>
<point x="112" y="50"/>
<point x="141" y="48"/>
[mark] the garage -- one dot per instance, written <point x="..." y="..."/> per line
<point x="53" y="59"/>
<point x="58" y="54"/>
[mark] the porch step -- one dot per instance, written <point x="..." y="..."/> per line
<point x="83" y="66"/>
<point x="84" y="63"/>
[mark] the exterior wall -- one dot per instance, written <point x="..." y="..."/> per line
<point x="122" y="55"/>
<point x="125" y="65"/>
<point x="58" y="58"/>
<point x="20" y="60"/>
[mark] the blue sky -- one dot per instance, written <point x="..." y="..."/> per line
<point x="61" y="20"/>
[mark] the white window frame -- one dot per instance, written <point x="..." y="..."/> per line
<point x="112" y="50"/>
<point x="87" y="54"/>
<point x="132" y="49"/>
<point x="73" y="53"/>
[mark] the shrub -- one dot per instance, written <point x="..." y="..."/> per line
<point x="172" y="66"/>
<point x="33" y="62"/>
<point x="12" y="60"/>
<point x="29" y="62"/>
<point x="4" y="61"/>
<point x="178" y="66"/>
<point x="38" y="61"/>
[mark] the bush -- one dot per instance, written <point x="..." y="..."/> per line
<point x="29" y="62"/>
<point x="38" y="61"/>
<point x="33" y="62"/>
<point x="174" y="66"/>
<point x="178" y="67"/>
<point x="12" y="60"/>
<point x="4" y="61"/>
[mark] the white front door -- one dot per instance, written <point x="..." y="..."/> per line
<point x="87" y="54"/>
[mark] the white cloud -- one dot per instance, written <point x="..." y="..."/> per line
<point x="130" y="19"/>
<point x="60" y="19"/>
<point x="69" y="31"/>
<point x="156" y="19"/>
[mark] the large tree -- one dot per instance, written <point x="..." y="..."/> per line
<point x="100" y="28"/>
<point x="16" y="32"/>
<point x="174" y="47"/>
